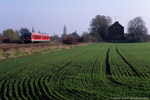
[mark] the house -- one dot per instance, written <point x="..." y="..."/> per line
<point x="75" y="35"/>
<point x="116" y="31"/>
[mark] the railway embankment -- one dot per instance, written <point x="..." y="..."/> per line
<point x="9" y="51"/>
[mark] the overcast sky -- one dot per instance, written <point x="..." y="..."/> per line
<point x="50" y="16"/>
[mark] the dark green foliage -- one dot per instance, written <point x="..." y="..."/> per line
<point x="99" y="25"/>
<point x="11" y="34"/>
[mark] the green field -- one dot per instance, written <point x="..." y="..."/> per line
<point x="98" y="72"/>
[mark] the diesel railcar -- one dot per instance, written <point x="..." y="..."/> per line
<point x="35" y="37"/>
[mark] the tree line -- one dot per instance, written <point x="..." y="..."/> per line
<point x="136" y="29"/>
<point x="12" y="36"/>
<point x="98" y="32"/>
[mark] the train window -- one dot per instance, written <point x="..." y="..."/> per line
<point x="37" y="36"/>
<point x="46" y="37"/>
<point x="27" y="36"/>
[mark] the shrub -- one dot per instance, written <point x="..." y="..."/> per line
<point x="70" y="40"/>
<point x="5" y="39"/>
<point x="11" y="34"/>
<point x="86" y="37"/>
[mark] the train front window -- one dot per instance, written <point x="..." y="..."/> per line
<point x="27" y="36"/>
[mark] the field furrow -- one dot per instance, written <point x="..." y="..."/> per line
<point x="127" y="63"/>
<point x="93" y="72"/>
<point x="108" y="70"/>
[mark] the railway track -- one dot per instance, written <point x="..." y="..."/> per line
<point x="13" y="46"/>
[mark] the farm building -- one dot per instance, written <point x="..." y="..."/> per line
<point x="75" y="35"/>
<point x="116" y="31"/>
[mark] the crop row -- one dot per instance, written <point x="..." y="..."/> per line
<point x="98" y="71"/>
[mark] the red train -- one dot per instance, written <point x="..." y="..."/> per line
<point x="36" y="37"/>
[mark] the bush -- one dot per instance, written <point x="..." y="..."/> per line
<point x="70" y="40"/>
<point x="86" y="37"/>
<point x="11" y="34"/>
<point x="55" y="40"/>
<point x="5" y="39"/>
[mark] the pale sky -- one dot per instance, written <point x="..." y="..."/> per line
<point x="50" y="16"/>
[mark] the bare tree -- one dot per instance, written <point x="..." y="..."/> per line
<point x="137" y="29"/>
<point x="23" y="30"/>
